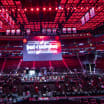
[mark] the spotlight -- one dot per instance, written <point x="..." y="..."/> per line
<point x="74" y="7"/>
<point x="50" y="9"/>
<point x="56" y="8"/>
<point x="44" y="9"/>
<point x="18" y="9"/>
<point x="32" y="9"/>
<point x="62" y="8"/>
<point x="37" y="9"/>
<point x="81" y="7"/>
<point x="25" y="9"/>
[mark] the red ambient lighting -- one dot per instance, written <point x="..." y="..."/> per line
<point x="56" y="37"/>
<point x="6" y="10"/>
<point x="25" y="9"/>
<point x="37" y="9"/>
<point x="81" y="7"/>
<point x="74" y="7"/>
<point x="32" y="9"/>
<point x="68" y="8"/>
<point x="62" y="8"/>
<point x="56" y="8"/>
<point x="44" y="9"/>
<point x="13" y="10"/>
<point x="50" y="9"/>
<point x="18" y="9"/>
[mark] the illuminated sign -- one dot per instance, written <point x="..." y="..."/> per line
<point x="37" y="47"/>
<point x="42" y="48"/>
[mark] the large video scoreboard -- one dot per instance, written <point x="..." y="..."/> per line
<point x="42" y="48"/>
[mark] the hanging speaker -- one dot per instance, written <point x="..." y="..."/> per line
<point x="87" y="67"/>
<point x="92" y="67"/>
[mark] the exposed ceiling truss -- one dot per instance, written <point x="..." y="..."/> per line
<point x="68" y="16"/>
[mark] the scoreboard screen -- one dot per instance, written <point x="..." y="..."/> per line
<point x="42" y="48"/>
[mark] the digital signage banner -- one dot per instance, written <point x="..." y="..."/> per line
<point x="42" y="49"/>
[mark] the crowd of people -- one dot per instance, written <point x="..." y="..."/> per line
<point x="76" y="84"/>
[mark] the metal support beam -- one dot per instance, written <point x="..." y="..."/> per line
<point x="82" y="67"/>
<point x="3" y="65"/>
<point x="94" y="62"/>
<point x="65" y="64"/>
<point x="19" y="65"/>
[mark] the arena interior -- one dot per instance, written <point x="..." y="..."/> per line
<point x="51" y="51"/>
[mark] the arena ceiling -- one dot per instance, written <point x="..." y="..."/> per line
<point x="44" y="14"/>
